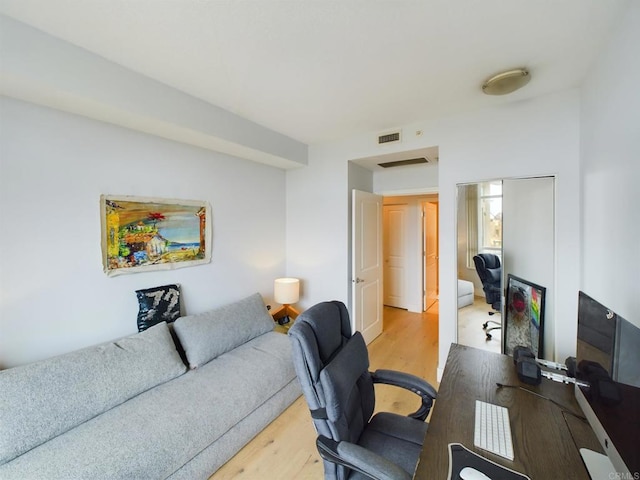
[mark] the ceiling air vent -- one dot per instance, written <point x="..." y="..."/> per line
<point x="402" y="163"/>
<point x="389" y="138"/>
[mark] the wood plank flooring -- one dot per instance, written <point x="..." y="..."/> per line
<point x="286" y="450"/>
<point x="470" y="332"/>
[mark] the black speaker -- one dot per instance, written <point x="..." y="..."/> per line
<point x="528" y="370"/>
<point x="570" y="362"/>
<point x="602" y="388"/>
<point x="522" y="352"/>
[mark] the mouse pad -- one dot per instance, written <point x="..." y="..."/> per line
<point x="460" y="457"/>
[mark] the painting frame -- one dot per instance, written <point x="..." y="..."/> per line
<point x="141" y="234"/>
<point x="524" y="316"/>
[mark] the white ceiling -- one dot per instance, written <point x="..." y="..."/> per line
<point x="324" y="70"/>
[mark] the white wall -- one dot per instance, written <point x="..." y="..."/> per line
<point x="317" y="220"/>
<point x="409" y="179"/>
<point x="54" y="166"/>
<point x="610" y="145"/>
<point x="536" y="137"/>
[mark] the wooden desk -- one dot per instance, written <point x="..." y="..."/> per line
<point x="545" y="440"/>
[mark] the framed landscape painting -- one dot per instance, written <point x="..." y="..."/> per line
<point x="142" y="234"/>
<point x="524" y="316"/>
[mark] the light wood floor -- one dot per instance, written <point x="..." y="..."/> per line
<point x="286" y="450"/>
<point x="470" y="332"/>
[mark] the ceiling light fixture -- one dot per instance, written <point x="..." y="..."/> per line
<point x="506" y="82"/>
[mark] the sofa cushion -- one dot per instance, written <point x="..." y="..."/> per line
<point x="210" y="334"/>
<point x="42" y="400"/>
<point x="157" y="432"/>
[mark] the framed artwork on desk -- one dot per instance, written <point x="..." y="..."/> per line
<point x="524" y="316"/>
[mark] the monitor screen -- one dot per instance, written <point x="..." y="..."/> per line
<point x="596" y="332"/>
<point x="626" y="363"/>
<point x="608" y="359"/>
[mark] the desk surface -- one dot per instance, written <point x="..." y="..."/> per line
<point x="545" y="440"/>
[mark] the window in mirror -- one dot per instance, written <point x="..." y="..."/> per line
<point x="490" y="217"/>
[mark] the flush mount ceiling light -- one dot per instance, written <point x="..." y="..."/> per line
<point x="506" y="82"/>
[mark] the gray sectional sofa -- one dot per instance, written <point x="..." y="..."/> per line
<point x="132" y="409"/>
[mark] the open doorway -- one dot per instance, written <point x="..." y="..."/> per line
<point x="409" y="176"/>
<point x="410" y="252"/>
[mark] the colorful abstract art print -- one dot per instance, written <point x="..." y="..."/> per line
<point x="142" y="234"/>
<point x="524" y="316"/>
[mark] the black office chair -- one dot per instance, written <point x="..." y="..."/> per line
<point x="490" y="272"/>
<point x="333" y="368"/>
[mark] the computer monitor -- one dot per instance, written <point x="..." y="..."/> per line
<point x="611" y="402"/>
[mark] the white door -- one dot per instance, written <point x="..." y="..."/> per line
<point x="366" y="279"/>
<point x="430" y="228"/>
<point x="395" y="257"/>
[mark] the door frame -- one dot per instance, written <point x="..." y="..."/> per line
<point x="423" y="203"/>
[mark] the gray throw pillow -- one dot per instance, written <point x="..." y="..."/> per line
<point x="210" y="334"/>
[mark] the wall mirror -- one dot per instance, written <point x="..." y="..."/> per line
<point x="508" y="225"/>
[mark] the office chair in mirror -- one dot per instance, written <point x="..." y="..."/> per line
<point x="490" y="272"/>
<point x="332" y="366"/>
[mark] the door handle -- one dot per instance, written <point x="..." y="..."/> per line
<point x="357" y="280"/>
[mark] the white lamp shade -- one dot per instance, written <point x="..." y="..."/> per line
<point x="286" y="290"/>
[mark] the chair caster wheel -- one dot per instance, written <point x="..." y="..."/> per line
<point x="485" y="325"/>
<point x="488" y="336"/>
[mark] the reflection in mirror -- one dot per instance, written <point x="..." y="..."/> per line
<point x="523" y="246"/>
<point x="479" y="226"/>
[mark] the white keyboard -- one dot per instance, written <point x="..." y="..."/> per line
<point x="493" y="430"/>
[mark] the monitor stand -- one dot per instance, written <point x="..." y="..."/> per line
<point x="598" y="465"/>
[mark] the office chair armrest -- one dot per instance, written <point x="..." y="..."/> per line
<point x="417" y="385"/>
<point x="359" y="459"/>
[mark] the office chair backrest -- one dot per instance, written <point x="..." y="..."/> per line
<point x="333" y="368"/>
<point x="490" y="272"/>
<point x="487" y="264"/>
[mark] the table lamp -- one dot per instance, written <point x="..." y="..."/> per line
<point x="286" y="291"/>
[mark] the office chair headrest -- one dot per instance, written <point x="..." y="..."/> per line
<point x="328" y="325"/>
<point x="489" y="260"/>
